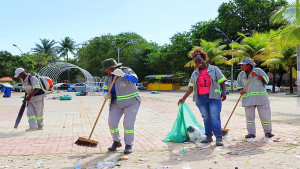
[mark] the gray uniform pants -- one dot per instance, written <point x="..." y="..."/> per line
<point x="264" y="112"/>
<point x="115" y="113"/>
<point x="35" y="113"/>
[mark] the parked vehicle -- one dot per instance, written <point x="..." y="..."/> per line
<point x="228" y="83"/>
<point x="141" y="86"/>
<point x="18" y="87"/>
<point x="63" y="86"/>
<point x="78" y="87"/>
<point x="269" y="88"/>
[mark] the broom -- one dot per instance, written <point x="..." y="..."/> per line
<point x="88" y="142"/>
<point x="224" y="130"/>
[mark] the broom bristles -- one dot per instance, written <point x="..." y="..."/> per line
<point x="86" y="142"/>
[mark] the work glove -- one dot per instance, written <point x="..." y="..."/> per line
<point x="107" y="96"/>
<point x="118" y="72"/>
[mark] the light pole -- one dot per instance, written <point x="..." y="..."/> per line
<point x="119" y="48"/>
<point x="232" y="41"/>
<point x="18" y="48"/>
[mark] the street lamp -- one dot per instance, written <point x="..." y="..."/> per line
<point x="232" y="41"/>
<point x="119" y="48"/>
<point x="18" y="48"/>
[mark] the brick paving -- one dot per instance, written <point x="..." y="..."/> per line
<point x="66" y="120"/>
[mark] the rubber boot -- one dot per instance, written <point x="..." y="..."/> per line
<point x="269" y="135"/>
<point x="208" y="139"/>
<point x="128" y="149"/>
<point x="114" y="146"/>
<point x="219" y="141"/>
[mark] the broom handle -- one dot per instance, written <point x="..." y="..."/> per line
<point x="103" y="105"/>
<point x="238" y="101"/>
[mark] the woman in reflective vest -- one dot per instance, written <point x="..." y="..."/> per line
<point x="125" y="100"/>
<point x="205" y="85"/>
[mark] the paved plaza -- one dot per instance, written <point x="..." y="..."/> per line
<point x="67" y="120"/>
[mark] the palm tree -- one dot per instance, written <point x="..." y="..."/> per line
<point x="65" y="46"/>
<point x="290" y="15"/>
<point x="285" y="57"/>
<point x="46" y="47"/>
<point x="213" y="50"/>
<point x="256" y="47"/>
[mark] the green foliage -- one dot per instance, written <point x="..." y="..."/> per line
<point x="247" y="16"/>
<point x="205" y="30"/>
<point x="65" y="46"/>
<point x="47" y="47"/>
<point x="10" y="63"/>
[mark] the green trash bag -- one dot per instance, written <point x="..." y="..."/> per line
<point x="65" y="97"/>
<point x="78" y="93"/>
<point x="185" y="118"/>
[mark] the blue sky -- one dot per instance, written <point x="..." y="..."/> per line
<point x="23" y="22"/>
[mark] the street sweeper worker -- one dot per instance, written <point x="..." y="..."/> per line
<point x="125" y="100"/>
<point x="34" y="96"/>
<point x="205" y="85"/>
<point x="255" y="96"/>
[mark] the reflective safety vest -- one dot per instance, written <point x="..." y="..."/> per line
<point x="127" y="92"/>
<point x="256" y="93"/>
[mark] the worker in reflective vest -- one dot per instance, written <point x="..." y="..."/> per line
<point x="255" y="96"/>
<point x="125" y="100"/>
<point x="34" y="96"/>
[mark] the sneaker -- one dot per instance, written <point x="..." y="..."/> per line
<point x="128" y="149"/>
<point x="114" y="146"/>
<point x="208" y="139"/>
<point x="219" y="141"/>
<point x="40" y="128"/>
<point x="250" y="136"/>
<point x="269" y="135"/>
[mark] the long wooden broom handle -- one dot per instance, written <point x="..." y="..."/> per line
<point x="103" y="105"/>
<point x="238" y="101"/>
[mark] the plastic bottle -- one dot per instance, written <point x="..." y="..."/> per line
<point x="39" y="164"/>
<point x="182" y="150"/>
<point x="77" y="166"/>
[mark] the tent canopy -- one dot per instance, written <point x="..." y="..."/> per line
<point x="6" y="79"/>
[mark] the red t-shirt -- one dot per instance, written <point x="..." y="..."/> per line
<point x="203" y="82"/>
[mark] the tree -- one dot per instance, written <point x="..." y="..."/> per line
<point x="247" y="16"/>
<point x="256" y="47"/>
<point x="205" y="30"/>
<point x="290" y="15"/>
<point x="65" y="46"/>
<point x="46" y="47"/>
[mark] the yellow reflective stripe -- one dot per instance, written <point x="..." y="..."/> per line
<point x="127" y="96"/>
<point x="105" y="87"/>
<point x="36" y="86"/>
<point x="128" y="131"/>
<point x="39" y="118"/>
<point x="254" y="94"/>
<point x="266" y="78"/>
<point x="217" y="90"/>
<point x="250" y="122"/>
<point x="114" y="130"/>
<point x="266" y="123"/>
<point x="193" y="92"/>
<point x="239" y="87"/>
<point x="31" y="117"/>
<point x="221" y="80"/>
<point x="191" y="84"/>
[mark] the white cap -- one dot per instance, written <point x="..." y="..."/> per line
<point x="18" y="72"/>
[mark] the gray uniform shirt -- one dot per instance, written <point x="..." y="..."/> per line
<point x="35" y="84"/>
<point x="127" y="92"/>
<point x="216" y="77"/>
<point x="255" y="93"/>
